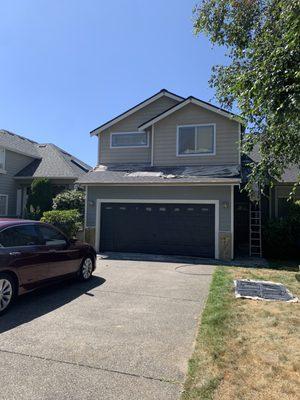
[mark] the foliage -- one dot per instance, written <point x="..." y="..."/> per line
<point x="40" y="198"/>
<point x="68" y="221"/>
<point x="262" y="77"/>
<point x="282" y="235"/>
<point x="70" y="199"/>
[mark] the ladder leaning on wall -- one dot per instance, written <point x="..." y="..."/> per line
<point x="255" y="246"/>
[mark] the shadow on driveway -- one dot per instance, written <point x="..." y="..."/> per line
<point x="40" y="302"/>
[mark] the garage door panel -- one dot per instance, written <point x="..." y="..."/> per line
<point x="183" y="229"/>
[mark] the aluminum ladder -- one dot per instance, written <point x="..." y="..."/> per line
<point x="255" y="247"/>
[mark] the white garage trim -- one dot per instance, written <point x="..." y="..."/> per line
<point x="100" y="201"/>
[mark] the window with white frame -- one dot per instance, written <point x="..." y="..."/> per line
<point x="3" y="204"/>
<point x="2" y="158"/>
<point x="196" y="140"/>
<point x="129" y="139"/>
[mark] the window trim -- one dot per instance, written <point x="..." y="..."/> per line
<point x="195" y="154"/>
<point x="6" y="206"/>
<point x="3" y="170"/>
<point x="129" y="147"/>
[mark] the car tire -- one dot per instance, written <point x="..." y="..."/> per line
<point x="86" y="269"/>
<point x="8" y="292"/>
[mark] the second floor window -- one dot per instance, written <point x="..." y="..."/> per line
<point x="196" y="140"/>
<point x="2" y="158"/>
<point x="129" y="139"/>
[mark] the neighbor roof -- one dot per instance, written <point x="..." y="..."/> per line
<point x="18" y="144"/>
<point x="49" y="161"/>
<point x="156" y="96"/>
<point x="147" y="174"/>
<point x="290" y="175"/>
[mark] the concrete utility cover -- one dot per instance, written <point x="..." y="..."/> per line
<point x="262" y="290"/>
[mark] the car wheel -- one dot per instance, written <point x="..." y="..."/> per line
<point x="8" y="292"/>
<point x="86" y="269"/>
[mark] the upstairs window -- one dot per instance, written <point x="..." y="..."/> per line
<point x="2" y="158"/>
<point x="195" y="140"/>
<point x="129" y="139"/>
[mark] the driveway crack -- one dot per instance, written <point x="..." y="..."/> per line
<point x="82" y="365"/>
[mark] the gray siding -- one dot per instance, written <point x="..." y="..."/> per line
<point x="14" y="162"/>
<point x="221" y="193"/>
<point x="131" y="124"/>
<point x="165" y="135"/>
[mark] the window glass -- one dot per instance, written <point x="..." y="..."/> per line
<point x="196" y="140"/>
<point x="2" y="158"/>
<point x="136" y="139"/>
<point x="51" y="236"/>
<point x="23" y="235"/>
<point x="3" y="204"/>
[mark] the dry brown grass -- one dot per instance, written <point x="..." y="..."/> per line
<point x="246" y="349"/>
<point x="262" y="360"/>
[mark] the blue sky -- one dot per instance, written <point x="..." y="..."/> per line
<point x="67" y="66"/>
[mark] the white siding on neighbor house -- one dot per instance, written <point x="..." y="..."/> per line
<point x="164" y="192"/>
<point x="109" y="155"/>
<point x="14" y="162"/>
<point x="165" y="138"/>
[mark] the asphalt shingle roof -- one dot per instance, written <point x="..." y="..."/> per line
<point x="49" y="160"/>
<point x="144" y="173"/>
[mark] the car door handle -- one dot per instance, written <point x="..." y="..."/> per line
<point x="15" y="253"/>
<point x="52" y="251"/>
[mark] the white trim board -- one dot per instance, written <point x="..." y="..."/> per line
<point x="189" y="100"/>
<point x="163" y="201"/>
<point x="134" y="109"/>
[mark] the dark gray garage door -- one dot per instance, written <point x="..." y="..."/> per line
<point x="179" y="229"/>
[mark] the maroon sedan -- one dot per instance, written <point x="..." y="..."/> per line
<point x="33" y="254"/>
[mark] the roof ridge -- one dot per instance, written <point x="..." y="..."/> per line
<point x="59" y="151"/>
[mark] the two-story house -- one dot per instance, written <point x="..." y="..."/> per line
<point x="165" y="179"/>
<point x="168" y="181"/>
<point x="22" y="160"/>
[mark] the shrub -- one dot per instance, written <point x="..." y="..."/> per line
<point x="282" y="235"/>
<point x="68" y="221"/>
<point x="40" y="198"/>
<point x="70" y="199"/>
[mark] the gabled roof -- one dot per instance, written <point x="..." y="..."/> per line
<point x="190" y="100"/>
<point x="49" y="161"/>
<point x="132" y="110"/>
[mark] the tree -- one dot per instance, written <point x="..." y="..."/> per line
<point x="262" y="78"/>
<point x="70" y="199"/>
<point x="40" y="198"/>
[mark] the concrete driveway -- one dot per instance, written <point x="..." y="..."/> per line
<point x="126" y="334"/>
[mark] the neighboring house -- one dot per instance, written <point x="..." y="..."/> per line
<point x="22" y="160"/>
<point x="168" y="181"/>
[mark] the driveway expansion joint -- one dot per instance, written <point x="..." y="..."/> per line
<point x="133" y="375"/>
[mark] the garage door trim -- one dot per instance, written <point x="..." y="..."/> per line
<point x="166" y="201"/>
